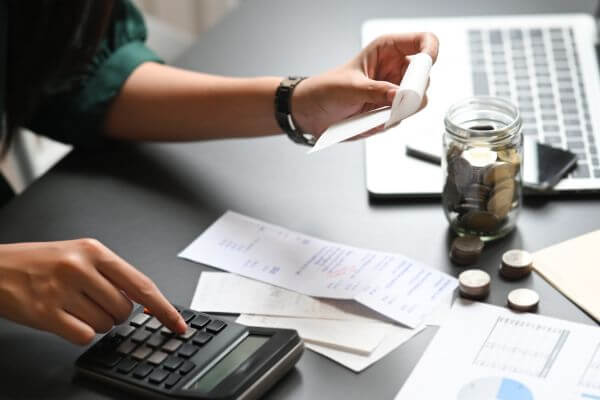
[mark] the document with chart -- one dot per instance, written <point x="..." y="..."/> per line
<point x="488" y="352"/>
<point x="396" y="286"/>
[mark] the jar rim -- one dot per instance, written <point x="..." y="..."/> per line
<point x="481" y="103"/>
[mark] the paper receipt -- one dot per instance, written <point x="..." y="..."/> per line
<point x="406" y="102"/>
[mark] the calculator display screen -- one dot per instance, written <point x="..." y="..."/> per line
<point x="228" y="364"/>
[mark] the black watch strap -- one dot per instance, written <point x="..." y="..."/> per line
<point x="283" y="111"/>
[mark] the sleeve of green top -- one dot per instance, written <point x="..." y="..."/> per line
<point x="77" y="116"/>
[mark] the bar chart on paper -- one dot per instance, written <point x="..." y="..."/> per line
<point x="484" y="352"/>
<point x="523" y="347"/>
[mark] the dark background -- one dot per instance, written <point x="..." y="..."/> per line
<point x="147" y="202"/>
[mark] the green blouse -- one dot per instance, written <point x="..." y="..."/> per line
<point x="77" y="116"/>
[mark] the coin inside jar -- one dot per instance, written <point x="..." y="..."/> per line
<point x="480" y="156"/>
<point x="498" y="172"/>
<point x="474" y="283"/>
<point x="465" y="250"/>
<point x="510" y="155"/>
<point x="500" y="202"/>
<point x="523" y="299"/>
<point x="516" y="264"/>
<point x="460" y="171"/>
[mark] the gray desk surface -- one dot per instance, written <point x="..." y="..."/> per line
<point x="147" y="202"/>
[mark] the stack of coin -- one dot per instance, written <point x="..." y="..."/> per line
<point x="523" y="299"/>
<point x="474" y="284"/>
<point x="481" y="188"/>
<point x="465" y="250"/>
<point x="516" y="264"/>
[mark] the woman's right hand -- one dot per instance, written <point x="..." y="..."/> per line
<point x="75" y="288"/>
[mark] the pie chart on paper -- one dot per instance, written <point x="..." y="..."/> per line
<point x="495" y="388"/>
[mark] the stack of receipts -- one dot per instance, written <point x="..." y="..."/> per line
<point x="366" y="290"/>
<point x="343" y="331"/>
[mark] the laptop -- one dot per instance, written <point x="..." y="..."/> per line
<point x="546" y="64"/>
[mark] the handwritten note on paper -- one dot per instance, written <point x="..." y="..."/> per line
<point x="391" y="284"/>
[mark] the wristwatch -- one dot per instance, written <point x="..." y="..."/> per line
<point x="283" y="111"/>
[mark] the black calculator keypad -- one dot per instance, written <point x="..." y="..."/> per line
<point x="156" y="340"/>
<point x="124" y="331"/>
<point x="215" y="326"/>
<point x="172" y="345"/>
<point x="140" y="336"/>
<point x="141" y="352"/>
<point x="202" y="338"/>
<point x="142" y="371"/>
<point x="154" y="324"/>
<point x="126" y="347"/>
<point x="157" y="357"/>
<point x="187" y="315"/>
<point x="144" y="351"/>
<point x="172" y="381"/>
<point x="188" y="350"/>
<point x="126" y="365"/>
<point x="140" y="319"/>
<point x="158" y="376"/>
<point x="186" y="367"/>
<point x="172" y="363"/>
<point x="200" y="321"/>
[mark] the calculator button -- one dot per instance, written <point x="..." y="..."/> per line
<point x="158" y="376"/>
<point x="202" y="338"/>
<point x="153" y="324"/>
<point x="126" y="347"/>
<point x="189" y="332"/>
<point x="172" y="363"/>
<point x="156" y="340"/>
<point x="186" y="367"/>
<point x="166" y="331"/>
<point x="200" y="321"/>
<point x="216" y="326"/>
<point x="157" y="358"/>
<point x="187" y="315"/>
<point x="141" y="352"/>
<point x="172" y="345"/>
<point x="188" y="350"/>
<point x="139" y="319"/>
<point x="141" y="336"/>
<point x="172" y="381"/>
<point x="124" y="331"/>
<point x="142" y="371"/>
<point x="126" y="366"/>
<point x="107" y="359"/>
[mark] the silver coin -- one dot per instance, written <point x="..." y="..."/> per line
<point x="523" y="299"/>
<point x="474" y="283"/>
<point x="517" y="259"/>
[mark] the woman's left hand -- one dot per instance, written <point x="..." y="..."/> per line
<point x="367" y="82"/>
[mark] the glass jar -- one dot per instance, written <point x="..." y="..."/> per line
<point x="481" y="162"/>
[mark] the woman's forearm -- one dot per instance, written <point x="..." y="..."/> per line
<point x="161" y="103"/>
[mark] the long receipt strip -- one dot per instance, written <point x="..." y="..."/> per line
<point x="488" y="352"/>
<point x="406" y="102"/>
<point x="328" y="327"/>
<point x="394" y="285"/>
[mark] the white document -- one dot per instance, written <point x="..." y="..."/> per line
<point x="406" y="102"/>
<point x="391" y="284"/>
<point x="358" y="336"/>
<point x="394" y="336"/>
<point x="488" y="352"/>
<point x="222" y="292"/>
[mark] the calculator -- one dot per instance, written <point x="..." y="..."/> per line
<point x="213" y="359"/>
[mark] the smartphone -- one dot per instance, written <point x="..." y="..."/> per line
<point x="543" y="165"/>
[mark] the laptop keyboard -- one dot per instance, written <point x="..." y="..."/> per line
<point x="539" y="70"/>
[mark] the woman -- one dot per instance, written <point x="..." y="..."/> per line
<point x="78" y="71"/>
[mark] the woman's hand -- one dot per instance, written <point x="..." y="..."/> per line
<point x="75" y="289"/>
<point x="366" y="82"/>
